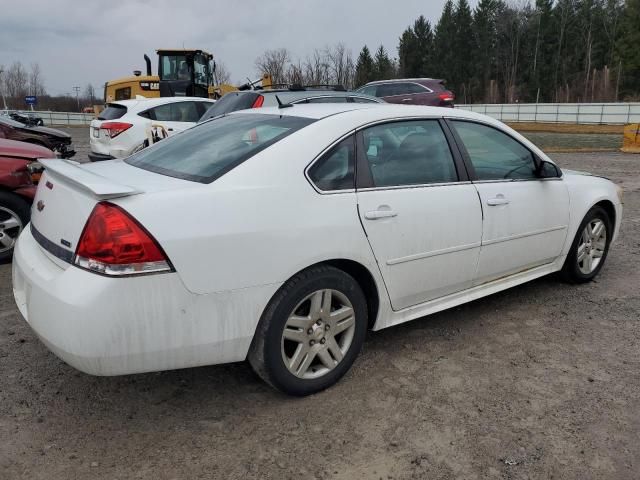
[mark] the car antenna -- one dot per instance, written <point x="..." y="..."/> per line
<point x="282" y="105"/>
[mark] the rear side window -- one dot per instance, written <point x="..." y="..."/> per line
<point x="175" y="112"/>
<point x="112" y="112"/>
<point x="209" y="150"/>
<point x="334" y="171"/>
<point x="231" y="102"/>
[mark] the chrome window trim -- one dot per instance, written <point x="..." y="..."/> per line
<point x="419" y="185"/>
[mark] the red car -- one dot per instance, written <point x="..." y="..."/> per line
<point x="18" y="169"/>
<point x="411" y="91"/>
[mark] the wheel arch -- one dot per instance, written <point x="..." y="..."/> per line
<point x="608" y="207"/>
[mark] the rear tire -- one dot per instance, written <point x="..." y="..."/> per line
<point x="15" y="213"/>
<point x="311" y="332"/>
<point x="589" y="248"/>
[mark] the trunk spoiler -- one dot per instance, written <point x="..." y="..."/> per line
<point x="99" y="186"/>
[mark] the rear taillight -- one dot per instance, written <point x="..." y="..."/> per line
<point x="446" y="97"/>
<point x="258" y="102"/>
<point x="113" y="129"/>
<point x="114" y="243"/>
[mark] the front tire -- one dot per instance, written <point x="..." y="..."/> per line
<point x="589" y="248"/>
<point x="15" y="213"/>
<point x="311" y="332"/>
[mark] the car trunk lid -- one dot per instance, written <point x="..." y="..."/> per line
<point x="68" y="192"/>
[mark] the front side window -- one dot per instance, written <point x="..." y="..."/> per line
<point x="390" y="89"/>
<point x="368" y="90"/>
<point x="210" y="149"/>
<point x="408" y="153"/>
<point x="334" y="171"/>
<point x="362" y="100"/>
<point x="494" y="154"/>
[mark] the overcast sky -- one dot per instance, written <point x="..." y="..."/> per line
<point x="86" y="41"/>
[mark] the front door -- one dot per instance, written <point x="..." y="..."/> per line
<point x="525" y="217"/>
<point x="423" y="223"/>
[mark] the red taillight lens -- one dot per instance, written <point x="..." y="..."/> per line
<point x="258" y="102"/>
<point x="114" y="243"/>
<point x="114" y="129"/>
<point x="446" y="97"/>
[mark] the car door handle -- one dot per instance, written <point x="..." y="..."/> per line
<point x="406" y="99"/>
<point x="376" y="214"/>
<point x="497" y="200"/>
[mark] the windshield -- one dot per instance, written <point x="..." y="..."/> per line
<point x="175" y="67"/>
<point x="211" y="149"/>
<point x="11" y="122"/>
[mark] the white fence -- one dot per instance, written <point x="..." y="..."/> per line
<point x="583" y="113"/>
<point x="60" y="118"/>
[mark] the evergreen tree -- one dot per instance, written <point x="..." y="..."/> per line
<point x="365" y="67"/>
<point x="464" y="49"/>
<point x="485" y="38"/>
<point x="384" y="68"/>
<point x="443" y="53"/>
<point x="424" y="44"/>
<point x="628" y="48"/>
<point x="408" y="54"/>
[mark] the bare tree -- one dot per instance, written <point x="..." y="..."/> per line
<point x="316" y="68"/>
<point x="221" y="74"/>
<point x="89" y="93"/>
<point x="274" y="63"/>
<point x="341" y="64"/>
<point x="36" y="80"/>
<point x="16" y="81"/>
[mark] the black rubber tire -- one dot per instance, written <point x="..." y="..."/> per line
<point x="265" y="352"/>
<point x="20" y="207"/>
<point x="570" y="271"/>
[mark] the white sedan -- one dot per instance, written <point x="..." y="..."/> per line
<point x="281" y="235"/>
<point x="127" y="126"/>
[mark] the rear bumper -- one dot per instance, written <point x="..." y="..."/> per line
<point x="99" y="157"/>
<point x="113" y="326"/>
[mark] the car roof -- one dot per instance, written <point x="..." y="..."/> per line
<point x="154" y="102"/>
<point x="376" y="111"/>
<point x="400" y="80"/>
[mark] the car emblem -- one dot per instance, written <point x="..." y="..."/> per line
<point x="49" y="185"/>
<point x="40" y="205"/>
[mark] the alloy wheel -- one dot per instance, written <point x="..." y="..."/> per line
<point x="10" y="228"/>
<point x="591" y="247"/>
<point x="318" y="333"/>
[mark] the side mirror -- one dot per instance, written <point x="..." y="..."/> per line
<point x="548" y="170"/>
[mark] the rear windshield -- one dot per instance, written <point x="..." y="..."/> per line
<point x="112" y="112"/>
<point x="211" y="149"/>
<point x="231" y="102"/>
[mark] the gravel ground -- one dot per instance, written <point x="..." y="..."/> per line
<point x="541" y="381"/>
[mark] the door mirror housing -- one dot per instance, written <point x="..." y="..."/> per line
<point x="548" y="170"/>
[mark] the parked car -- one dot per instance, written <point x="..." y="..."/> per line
<point x="294" y="94"/>
<point x="127" y="126"/>
<point x="28" y="152"/>
<point x="30" y="119"/>
<point x="411" y="91"/>
<point x="51" y="138"/>
<point x="254" y="235"/>
<point x="17" y="160"/>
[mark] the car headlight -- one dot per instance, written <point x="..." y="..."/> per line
<point x="620" y="193"/>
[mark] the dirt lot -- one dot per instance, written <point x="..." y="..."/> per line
<point x="542" y="381"/>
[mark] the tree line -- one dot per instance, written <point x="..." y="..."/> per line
<point x="541" y="51"/>
<point x="17" y="81"/>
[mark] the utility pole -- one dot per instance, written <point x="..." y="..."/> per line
<point x="77" y="90"/>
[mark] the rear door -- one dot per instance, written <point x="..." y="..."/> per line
<point x="176" y="116"/>
<point x="420" y="213"/>
<point x="525" y="217"/>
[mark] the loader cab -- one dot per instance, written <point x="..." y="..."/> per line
<point x="184" y="73"/>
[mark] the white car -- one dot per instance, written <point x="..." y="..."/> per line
<point x="125" y="126"/>
<point x="282" y="235"/>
